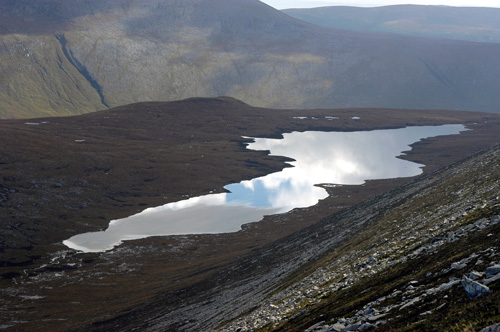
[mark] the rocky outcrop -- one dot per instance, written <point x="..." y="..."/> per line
<point x="415" y="294"/>
<point x="492" y="328"/>
<point x="492" y="270"/>
<point x="473" y="288"/>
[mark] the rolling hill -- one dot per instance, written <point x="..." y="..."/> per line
<point x="461" y="23"/>
<point x="60" y="59"/>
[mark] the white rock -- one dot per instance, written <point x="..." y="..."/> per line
<point x="492" y="279"/>
<point x="492" y="270"/>
<point x="442" y="287"/>
<point x="492" y="328"/>
<point x="474" y="275"/>
<point x="473" y="288"/>
<point x="366" y="326"/>
<point x="337" y="327"/>
<point x="458" y="266"/>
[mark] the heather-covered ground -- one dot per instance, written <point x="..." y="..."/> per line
<point x="65" y="176"/>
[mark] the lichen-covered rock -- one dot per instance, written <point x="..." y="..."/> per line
<point x="492" y="270"/>
<point x="317" y="327"/>
<point x="443" y="287"/>
<point x="473" y="288"/>
<point x="491" y="280"/>
<point x="492" y="328"/>
<point x="337" y="327"/>
<point x="458" y="266"/>
<point x="353" y="327"/>
<point x="366" y="326"/>
<point x="474" y="275"/>
<point x="495" y="219"/>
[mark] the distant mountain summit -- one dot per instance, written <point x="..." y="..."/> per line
<point x="463" y="23"/>
<point x="58" y="10"/>
<point x="159" y="15"/>
<point x="60" y="58"/>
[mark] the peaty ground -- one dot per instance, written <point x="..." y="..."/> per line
<point x="65" y="176"/>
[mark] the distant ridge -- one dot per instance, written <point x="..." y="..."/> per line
<point x="61" y="59"/>
<point x="477" y="24"/>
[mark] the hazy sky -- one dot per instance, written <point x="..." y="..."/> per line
<point x="282" y="4"/>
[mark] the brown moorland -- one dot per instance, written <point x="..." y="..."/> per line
<point x="64" y="176"/>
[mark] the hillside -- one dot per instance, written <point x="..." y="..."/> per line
<point x="461" y="23"/>
<point x="63" y="176"/>
<point x="422" y="257"/>
<point x="60" y="59"/>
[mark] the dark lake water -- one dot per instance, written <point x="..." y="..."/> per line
<point x="333" y="158"/>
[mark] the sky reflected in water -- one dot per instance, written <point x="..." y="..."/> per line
<point x="344" y="158"/>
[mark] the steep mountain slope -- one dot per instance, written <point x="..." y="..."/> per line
<point x="405" y="266"/>
<point x="463" y="23"/>
<point x="61" y="59"/>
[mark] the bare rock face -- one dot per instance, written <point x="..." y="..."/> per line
<point x="492" y="270"/>
<point x="473" y="288"/>
<point x="492" y="328"/>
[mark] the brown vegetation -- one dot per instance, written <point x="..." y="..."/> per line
<point x="70" y="175"/>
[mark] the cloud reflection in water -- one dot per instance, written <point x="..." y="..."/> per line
<point x="348" y="158"/>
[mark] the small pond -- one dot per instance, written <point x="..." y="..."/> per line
<point x="328" y="158"/>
